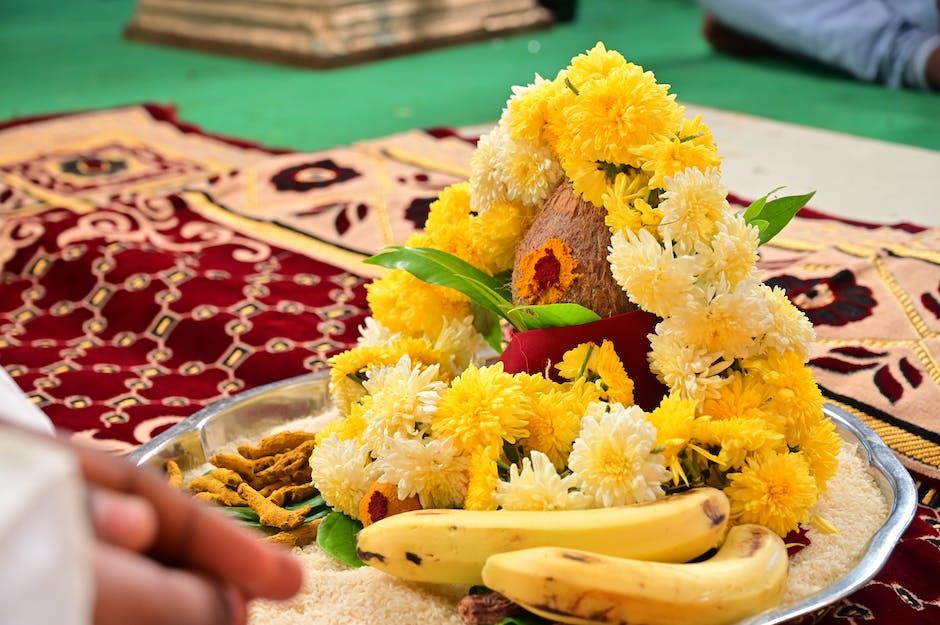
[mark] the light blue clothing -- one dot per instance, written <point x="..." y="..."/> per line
<point x="886" y="41"/>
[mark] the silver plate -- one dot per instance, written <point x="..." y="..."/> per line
<point x="248" y="415"/>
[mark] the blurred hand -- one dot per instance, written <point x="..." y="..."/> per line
<point x="161" y="557"/>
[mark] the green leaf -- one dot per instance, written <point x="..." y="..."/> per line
<point x="336" y="536"/>
<point x="443" y="269"/>
<point x="770" y="217"/>
<point x="555" y="315"/>
<point x="487" y="324"/>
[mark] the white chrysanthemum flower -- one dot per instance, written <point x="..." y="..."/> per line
<point x="692" y="206"/>
<point x="460" y="346"/>
<point x="530" y="173"/>
<point x="342" y="470"/>
<point x="612" y="459"/>
<point x="403" y="399"/>
<point x="374" y="334"/>
<point x="724" y="320"/>
<point x="731" y="255"/>
<point x="539" y="487"/>
<point x="487" y="186"/>
<point x="430" y="468"/>
<point x="689" y="370"/>
<point x="652" y="276"/>
<point x="790" y="330"/>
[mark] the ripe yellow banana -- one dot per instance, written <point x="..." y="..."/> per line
<point x="450" y="546"/>
<point x="746" y="576"/>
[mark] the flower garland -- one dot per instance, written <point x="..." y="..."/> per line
<point x="422" y="410"/>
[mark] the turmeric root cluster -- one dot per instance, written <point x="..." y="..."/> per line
<point x="265" y="477"/>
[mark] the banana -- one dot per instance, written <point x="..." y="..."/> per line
<point x="746" y="576"/>
<point x="450" y="546"/>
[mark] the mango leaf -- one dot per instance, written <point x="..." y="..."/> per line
<point x="487" y="324"/>
<point x="770" y="217"/>
<point x="555" y="315"/>
<point x="336" y="536"/>
<point x="443" y="269"/>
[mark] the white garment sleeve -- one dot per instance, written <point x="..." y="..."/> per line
<point x="45" y="537"/>
<point x="16" y="408"/>
<point x="886" y="41"/>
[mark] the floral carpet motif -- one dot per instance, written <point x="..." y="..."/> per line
<point x="148" y="268"/>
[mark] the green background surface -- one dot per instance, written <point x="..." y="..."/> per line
<point x="58" y="56"/>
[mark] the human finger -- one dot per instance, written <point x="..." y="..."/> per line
<point x="127" y="521"/>
<point x="130" y="588"/>
<point x="192" y="535"/>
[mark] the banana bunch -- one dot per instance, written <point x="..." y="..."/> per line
<point x="746" y="576"/>
<point x="451" y="546"/>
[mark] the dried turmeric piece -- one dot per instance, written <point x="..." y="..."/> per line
<point x="228" y="477"/>
<point x="208" y="497"/>
<point x="174" y="474"/>
<point x="299" y="537"/>
<point x="268" y="489"/>
<point x="289" y="462"/>
<point x="243" y="466"/>
<point x="275" y="444"/>
<point x="210" y="484"/>
<point x="292" y="493"/>
<point x="271" y="514"/>
<point x="381" y="500"/>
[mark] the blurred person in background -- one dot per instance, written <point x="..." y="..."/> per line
<point x="892" y="42"/>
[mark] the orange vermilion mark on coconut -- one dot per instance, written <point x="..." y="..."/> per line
<point x="546" y="273"/>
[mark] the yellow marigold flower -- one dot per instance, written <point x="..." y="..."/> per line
<point x="673" y="420"/>
<point x="740" y="396"/>
<point x="483" y="407"/>
<point x="497" y="232"/>
<point x="593" y="64"/>
<point x="775" y="490"/>
<point x="483" y="474"/>
<point x="423" y="311"/>
<point x="555" y="423"/>
<point x="625" y="109"/>
<point x="546" y="273"/>
<point x="737" y="438"/>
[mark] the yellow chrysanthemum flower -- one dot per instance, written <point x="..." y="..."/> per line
<point x="424" y="310"/>
<point x="610" y="117"/>
<point x="737" y="438"/>
<point x="594" y="64"/>
<point x="497" y="233"/>
<point x="530" y="109"/>
<point x="775" y="490"/>
<point x="602" y="366"/>
<point x="627" y="208"/>
<point x="588" y="179"/>
<point x="820" y="445"/>
<point x="555" y="423"/>
<point x="449" y="220"/>
<point x="546" y="273"/>
<point x="673" y="420"/>
<point x="691" y="146"/>
<point x="795" y="399"/>
<point x="483" y="407"/>
<point x="740" y="396"/>
<point x="346" y="428"/>
<point x="483" y="476"/>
